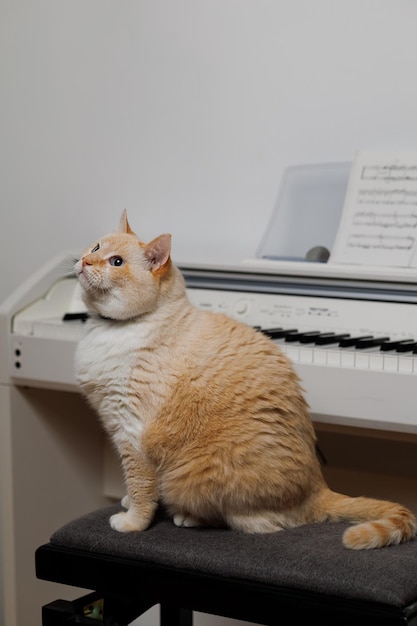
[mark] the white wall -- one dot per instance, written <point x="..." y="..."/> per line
<point x="185" y="112"/>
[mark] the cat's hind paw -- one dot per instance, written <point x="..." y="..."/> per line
<point x="125" y="502"/>
<point x="185" y="521"/>
<point x="125" y="522"/>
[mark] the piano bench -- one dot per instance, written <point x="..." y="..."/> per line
<point x="298" y="576"/>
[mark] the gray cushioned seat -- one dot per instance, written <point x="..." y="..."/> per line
<point x="309" y="559"/>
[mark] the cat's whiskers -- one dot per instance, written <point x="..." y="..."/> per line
<point x="67" y="267"/>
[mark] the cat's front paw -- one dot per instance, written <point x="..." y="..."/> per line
<point x="126" y="522"/>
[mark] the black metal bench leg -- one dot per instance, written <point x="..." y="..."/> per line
<point x="57" y="613"/>
<point x="97" y="608"/>
<point x="64" y="612"/>
<point x="174" y="616"/>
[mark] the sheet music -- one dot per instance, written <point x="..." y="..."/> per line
<point x="379" y="218"/>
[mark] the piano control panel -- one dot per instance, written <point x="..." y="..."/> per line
<point x="356" y="357"/>
<point x="337" y="332"/>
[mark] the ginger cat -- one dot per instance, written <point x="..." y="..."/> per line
<point x="206" y="413"/>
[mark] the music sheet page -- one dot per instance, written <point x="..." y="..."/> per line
<point x="379" y="219"/>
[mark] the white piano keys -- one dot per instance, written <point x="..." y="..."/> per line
<point x="292" y="352"/>
<point x="376" y="362"/>
<point x="334" y="357"/>
<point x="362" y="361"/>
<point x="347" y="358"/>
<point x="405" y="365"/>
<point x="306" y="355"/>
<point x="350" y="358"/>
<point x="319" y="356"/>
<point x="391" y="363"/>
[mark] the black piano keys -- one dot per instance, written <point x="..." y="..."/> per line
<point x="343" y="340"/>
<point x="296" y="336"/>
<point x="71" y="317"/>
<point x="370" y="342"/>
<point x="399" y="345"/>
<point x="278" y="333"/>
<point x="350" y="342"/>
<point x="326" y="339"/>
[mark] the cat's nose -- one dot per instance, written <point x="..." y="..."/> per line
<point x="85" y="262"/>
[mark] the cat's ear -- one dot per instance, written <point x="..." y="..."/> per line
<point x="157" y="252"/>
<point x="124" y="224"/>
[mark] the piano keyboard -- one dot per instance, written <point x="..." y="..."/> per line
<point x="366" y="352"/>
<point x="356" y="356"/>
<point x="318" y="331"/>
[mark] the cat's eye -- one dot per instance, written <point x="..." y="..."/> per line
<point x="96" y="247"/>
<point x="116" y="261"/>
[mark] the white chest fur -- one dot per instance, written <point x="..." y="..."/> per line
<point x="104" y="361"/>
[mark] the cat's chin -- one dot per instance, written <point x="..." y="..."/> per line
<point x="83" y="281"/>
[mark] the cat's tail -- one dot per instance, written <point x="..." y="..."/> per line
<point x="378" y="523"/>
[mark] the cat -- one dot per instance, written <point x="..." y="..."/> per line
<point x="207" y="414"/>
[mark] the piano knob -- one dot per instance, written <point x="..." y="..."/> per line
<point x="318" y="254"/>
<point x="241" y="307"/>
